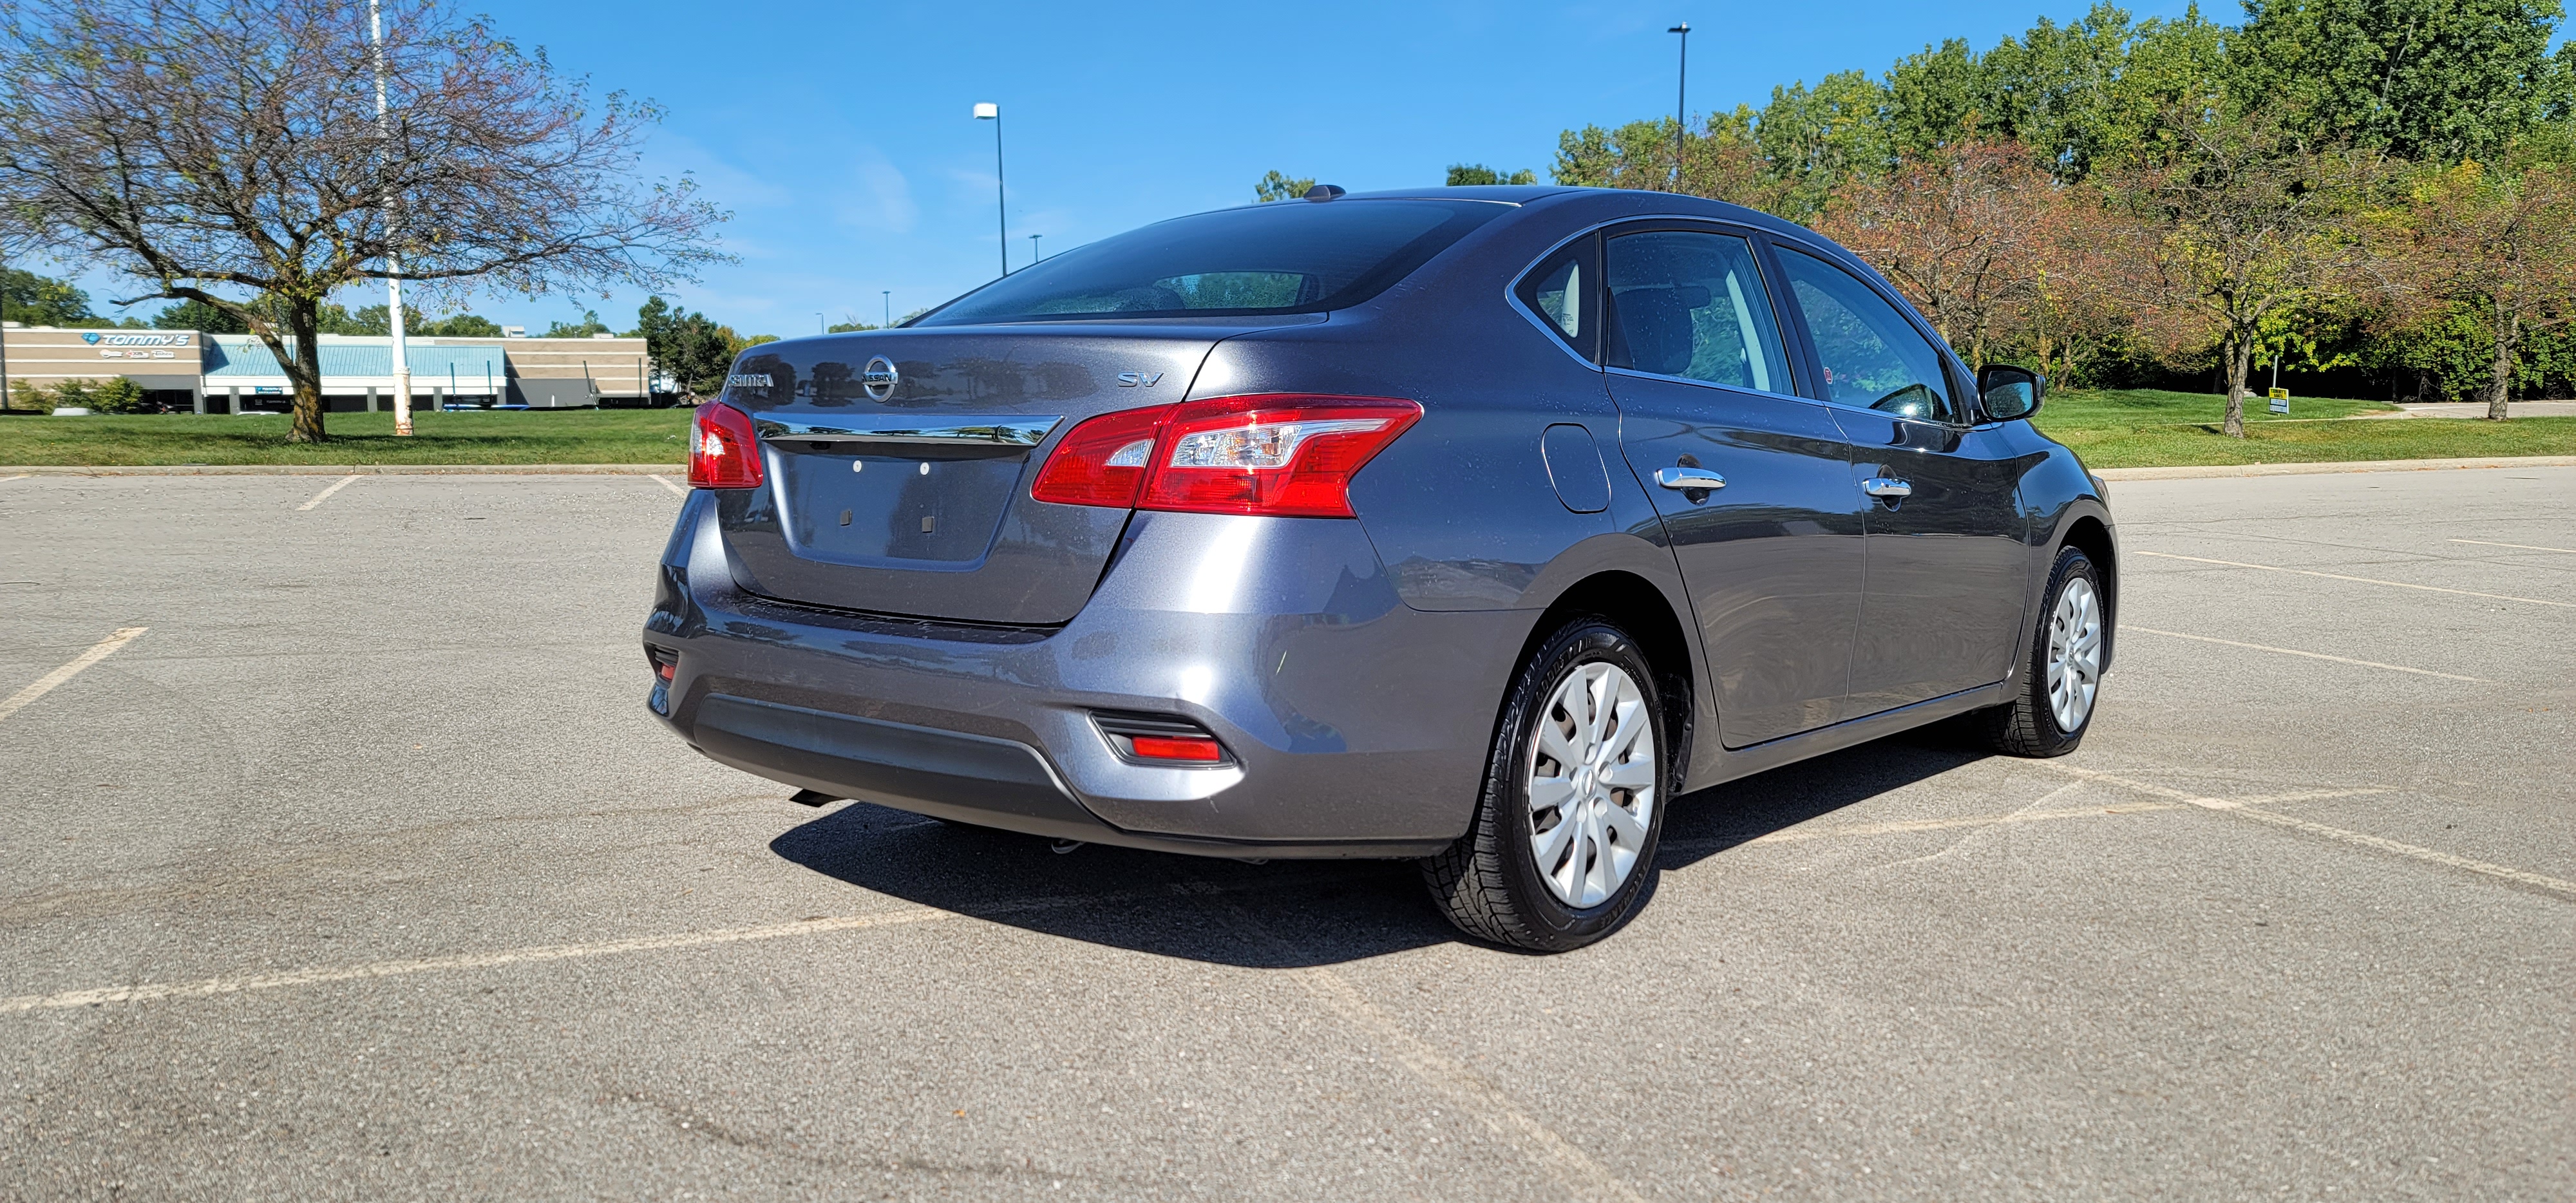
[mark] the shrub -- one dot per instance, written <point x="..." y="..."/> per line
<point x="116" y="395"/>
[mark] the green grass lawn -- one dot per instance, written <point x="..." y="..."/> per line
<point x="2142" y="428"/>
<point x="575" y="436"/>
<point x="2109" y="428"/>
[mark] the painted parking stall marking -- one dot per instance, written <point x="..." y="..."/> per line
<point x="2366" y="580"/>
<point x="665" y="482"/>
<point x="2286" y="651"/>
<point x="325" y="495"/>
<point x="2555" y="885"/>
<point x="43" y="685"/>
<point x="2564" y="551"/>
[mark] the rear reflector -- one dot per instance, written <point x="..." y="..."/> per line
<point x="1288" y="455"/>
<point x="724" y="453"/>
<point x="1165" y="747"/>
<point x="1159" y="739"/>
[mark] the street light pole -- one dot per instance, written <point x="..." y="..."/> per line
<point x="1001" y="197"/>
<point x="393" y="260"/>
<point x="1681" y="103"/>
<point x="1034" y="256"/>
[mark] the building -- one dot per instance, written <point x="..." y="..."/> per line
<point x="229" y="373"/>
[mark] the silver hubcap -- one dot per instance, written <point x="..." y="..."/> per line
<point x="2074" y="654"/>
<point x="1592" y="784"/>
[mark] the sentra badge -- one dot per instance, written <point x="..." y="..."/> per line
<point x="752" y="380"/>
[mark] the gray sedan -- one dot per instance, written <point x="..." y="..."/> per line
<point x="1469" y="526"/>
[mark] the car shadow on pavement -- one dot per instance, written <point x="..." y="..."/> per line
<point x="1710" y="821"/>
<point x="1283" y="914"/>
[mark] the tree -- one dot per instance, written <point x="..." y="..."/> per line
<point x="1467" y="175"/>
<point x="2500" y="243"/>
<point x="587" y="326"/>
<point x="42" y="300"/>
<point x="849" y="327"/>
<point x="1960" y="230"/>
<point x="1721" y="162"/>
<point x="198" y="315"/>
<point x="695" y="351"/>
<point x="2242" y="225"/>
<point x="462" y="325"/>
<point x="206" y="148"/>
<point x="1278" y="187"/>
<point x="2435" y="80"/>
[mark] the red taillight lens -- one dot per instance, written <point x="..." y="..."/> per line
<point x="724" y="453"/>
<point x="1102" y="461"/>
<point x="1199" y="750"/>
<point x="1284" y="454"/>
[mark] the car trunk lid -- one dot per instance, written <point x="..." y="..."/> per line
<point x="898" y="464"/>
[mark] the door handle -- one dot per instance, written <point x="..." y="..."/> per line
<point x="1886" y="486"/>
<point x="1689" y="478"/>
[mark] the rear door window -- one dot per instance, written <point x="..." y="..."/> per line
<point x="1690" y="303"/>
<point x="1564" y="293"/>
<point x="1872" y="357"/>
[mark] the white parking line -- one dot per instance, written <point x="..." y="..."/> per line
<point x="2245" y="807"/>
<point x="895" y="917"/>
<point x="6" y="479"/>
<point x="325" y="495"/>
<point x="1835" y="831"/>
<point x="1575" y="1171"/>
<point x="43" y="685"/>
<point x="2289" y="651"/>
<point x="666" y="483"/>
<point x="2337" y="576"/>
<point x="2480" y="542"/>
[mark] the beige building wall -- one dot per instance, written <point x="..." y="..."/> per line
<point x="549" y="372"/>
<point x="154" y="359"/>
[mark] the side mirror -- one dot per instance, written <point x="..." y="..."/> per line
<point x="2010" y="392"/>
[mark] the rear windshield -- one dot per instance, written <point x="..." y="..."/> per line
<point x="1286" y="257"/>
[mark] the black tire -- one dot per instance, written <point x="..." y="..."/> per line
<point x="2026" y="726"/>
<point x="1489" y="882"/>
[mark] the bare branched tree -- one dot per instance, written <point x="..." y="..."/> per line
<point x="2243" y="225"/>
<point x="224" y="150"/>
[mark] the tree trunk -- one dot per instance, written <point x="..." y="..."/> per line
<point x="304" y="370"/>
<point x="2240" y="359"/>
<point x="2500" y="373"/>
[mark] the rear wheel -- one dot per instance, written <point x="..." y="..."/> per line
<point x="2062" y="670"/>
<point x="1573" y="799"/>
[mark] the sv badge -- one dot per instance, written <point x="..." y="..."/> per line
<point x="1133" y="379"/>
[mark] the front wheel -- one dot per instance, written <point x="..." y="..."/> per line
<point x="1573" y="799"/>
<point x="2062" y="668"/>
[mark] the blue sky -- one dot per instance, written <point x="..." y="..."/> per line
<point x="841" y="137"/>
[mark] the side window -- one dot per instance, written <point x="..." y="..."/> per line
<point x="1872" y="356"/>
<point x="1689" y="304"/>
<point x="1564" y="291"/>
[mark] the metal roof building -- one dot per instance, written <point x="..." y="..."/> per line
<point x="229" y="373"/>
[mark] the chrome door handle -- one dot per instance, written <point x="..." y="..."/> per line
<point x="1689" y="478"/>
<point x="1886" y="486"/>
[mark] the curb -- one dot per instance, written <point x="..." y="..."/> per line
<point x="351" y="470"/>
<point x="2212" y="471"/>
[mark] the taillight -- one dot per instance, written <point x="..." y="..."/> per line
<point x="1102" y="461"/>
<point x="724" y="452"/>
<point x="1282" y="454"/>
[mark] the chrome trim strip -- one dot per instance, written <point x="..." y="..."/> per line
<point x="976" y="432"/>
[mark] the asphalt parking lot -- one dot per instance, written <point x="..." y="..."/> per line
<point x="360" y="872"/>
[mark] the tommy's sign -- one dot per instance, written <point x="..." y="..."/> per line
<point x="97" y="338"/>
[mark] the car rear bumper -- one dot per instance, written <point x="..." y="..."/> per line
<point x="1354" y="725"/>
